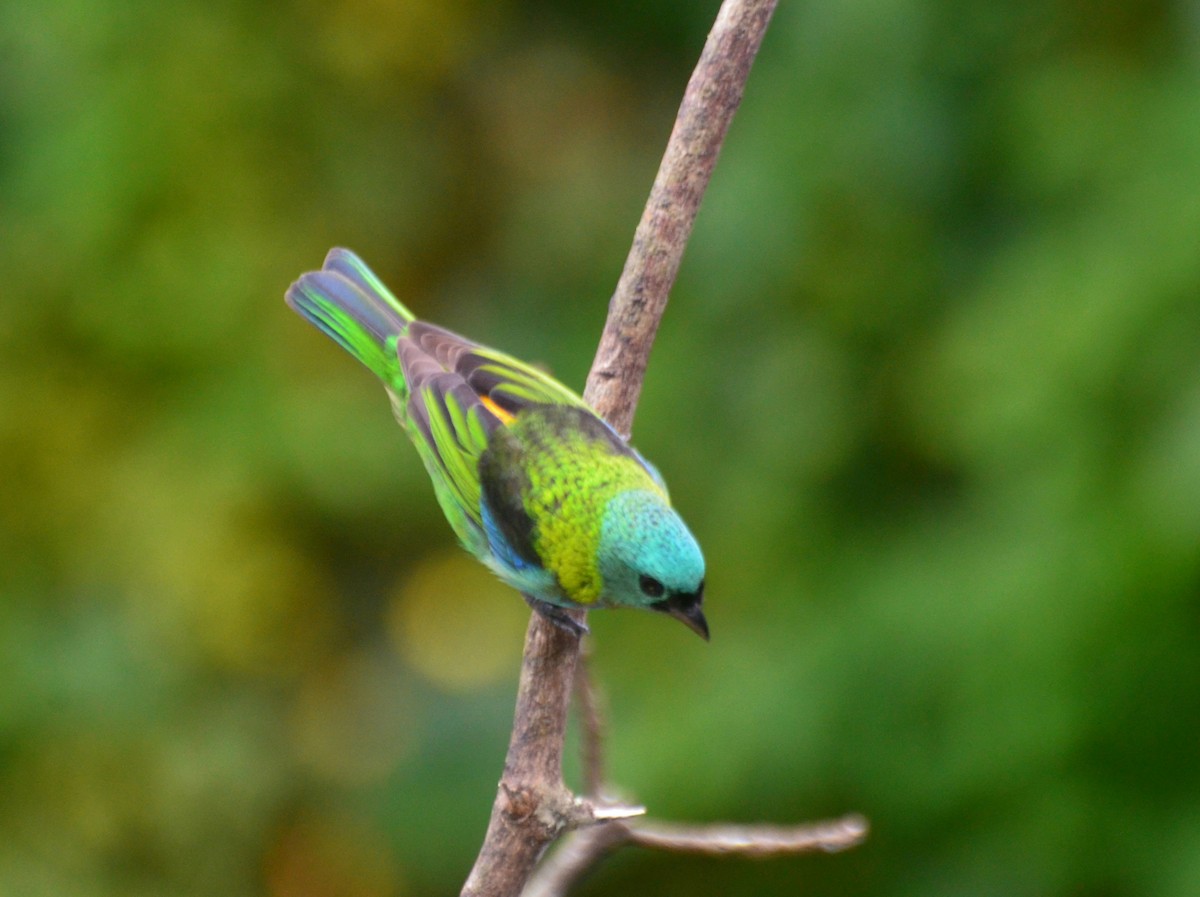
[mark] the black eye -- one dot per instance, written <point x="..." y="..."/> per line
<point x="651" y="587"/>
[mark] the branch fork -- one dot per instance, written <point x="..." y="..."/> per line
<point x="556" y="810"/>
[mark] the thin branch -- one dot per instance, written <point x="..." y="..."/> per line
<point x="712" y="96"/>
<point x="533" y="806"/>
<point x="750" y="840"/>
<point x="592" y="719"/>
<point x="574" y="858"/>
<point x="579" y="853"/>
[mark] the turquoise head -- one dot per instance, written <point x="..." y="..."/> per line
<point x="648" y="558"/>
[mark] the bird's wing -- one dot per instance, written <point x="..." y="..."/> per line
<point x="507" y="385"/>
<point x="450" y="426"/>
<point x="458" y="393"/>
<point x="504" y="384"/>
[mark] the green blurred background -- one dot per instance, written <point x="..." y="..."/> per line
<point x="928" y="392"/>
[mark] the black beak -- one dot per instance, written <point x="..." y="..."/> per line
<point x="686" y="609"/>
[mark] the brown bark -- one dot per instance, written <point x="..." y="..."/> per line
<point x="533" y="806"/>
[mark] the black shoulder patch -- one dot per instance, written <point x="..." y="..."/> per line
<point x="505" y="483"/>
<point x="569" y="420"/>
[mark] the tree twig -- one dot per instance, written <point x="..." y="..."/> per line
<point x="533" y="805"/>
<point x="750" y="840"/>
<point x="584" y="849"/>
<point x="574" y="858"/>
<point x="712" y="96"/>
<point x="592" y="721"/>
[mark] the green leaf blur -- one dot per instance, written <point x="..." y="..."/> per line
<point x="928" y="392"/>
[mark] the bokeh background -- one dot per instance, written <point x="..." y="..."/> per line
<point x="928" y="391"/>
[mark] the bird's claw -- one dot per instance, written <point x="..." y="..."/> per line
<point x="557" y="615"/>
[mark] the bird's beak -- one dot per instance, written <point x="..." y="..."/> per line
<point x="693" y="619"/>
<point x="686" y="609"/>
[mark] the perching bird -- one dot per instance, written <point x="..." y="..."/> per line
<point x="532" y="481"/>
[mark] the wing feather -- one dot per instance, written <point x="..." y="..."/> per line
<point x="510" y="383"/>
<point x="459" y="393"/>
<point x="450" y="392"/>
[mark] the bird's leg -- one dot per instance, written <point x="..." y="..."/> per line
<point x="556" y="615"/>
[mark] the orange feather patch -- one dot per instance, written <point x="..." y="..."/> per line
<point x="505" y="417"/>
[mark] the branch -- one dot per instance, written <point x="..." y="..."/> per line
<point x="576" y="856"/>
<point x="750" y="840"/>
<point x="712" y="96"/>
<point x="533" y="806"/>
<point x="591" y="718"/>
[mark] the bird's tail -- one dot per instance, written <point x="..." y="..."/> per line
<point x="350" y="305"/>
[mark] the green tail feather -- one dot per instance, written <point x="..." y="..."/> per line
<point x="351" y="306"/>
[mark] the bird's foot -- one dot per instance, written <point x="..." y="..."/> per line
<point x="557" y="615"/>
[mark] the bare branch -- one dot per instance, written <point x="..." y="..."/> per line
<point x="532" y="805"/>
<point x="591" y="716"/>
<point x="712" y="96"/>
<point x="751" y="840"/>
<point x="575" y="858"/>
<point x="579" y="853"/>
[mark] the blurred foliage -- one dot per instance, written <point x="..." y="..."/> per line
<point x="928" y="392"/>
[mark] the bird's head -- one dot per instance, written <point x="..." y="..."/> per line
<point x="648" y="558"/>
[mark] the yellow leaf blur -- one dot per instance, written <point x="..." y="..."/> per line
<point x="458" y="625"/>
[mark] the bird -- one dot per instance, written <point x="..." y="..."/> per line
<point x="532" y="481"/>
